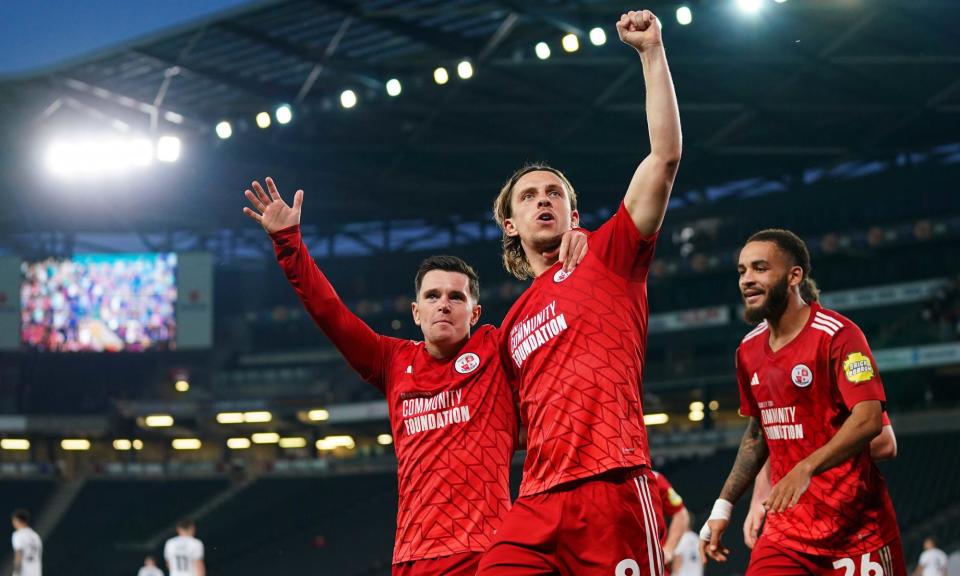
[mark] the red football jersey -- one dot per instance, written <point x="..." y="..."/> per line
<point x="669" y="499"/>
<point x="802" y="394"/>
<point x="574" y="345"/>
<point x="454" y="422"/>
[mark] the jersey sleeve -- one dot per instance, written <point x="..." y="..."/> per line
<point x="621" y="247"/>
<point x="854" y="367"/>
<point x="167" y="554"/>
<point x="16" y="542"/>
<point x="367" y="352"/>
<point x="198" y="552"/>
<point x="672" y="502"/>
<point x="748" y="404"/>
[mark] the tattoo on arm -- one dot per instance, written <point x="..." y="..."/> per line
<point x="750" y="458"/>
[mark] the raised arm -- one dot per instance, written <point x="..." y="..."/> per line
<point x="649" y="191"/>
<point x="358" y="343"/>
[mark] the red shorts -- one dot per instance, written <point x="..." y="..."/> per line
<point x="770" y="559"/>
<point x="464" y="564"/>
<point x="608" y="525"/>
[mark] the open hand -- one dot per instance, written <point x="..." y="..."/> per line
<point x="270" y="211"/>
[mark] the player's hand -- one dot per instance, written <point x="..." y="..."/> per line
<point x="668" y="556"/>
<point x="712" y="548"/>
<point x="270" y="210"/>
<point x="753" y="524"/>
<point x="572" y="249"/>
<point x="788" y="490"/>
<point x="640" y="30"/>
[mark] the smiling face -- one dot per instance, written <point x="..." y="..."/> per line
<point x="445" y="309"/>
<point x="766" y="278"/>
<point x="540" y="211"/>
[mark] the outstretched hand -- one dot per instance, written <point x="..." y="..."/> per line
<point x="269" y="210"/>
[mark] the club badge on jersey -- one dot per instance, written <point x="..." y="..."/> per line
<point x="467" y="363"/>
<point x="561" y="275"/>
<point x="801" y="376"/>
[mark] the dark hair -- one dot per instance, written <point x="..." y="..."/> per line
<point x="21" y="515"/>
<point x="185" y="524"/>
<point x="448" y="264"/>
<point x="514" y="258"/>
<point x="794" y="247"/>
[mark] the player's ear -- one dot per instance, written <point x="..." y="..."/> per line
<point x="796" y="276"/>
<point x="509" y="228"/>
<point x="416" y="313"/>
<point x="475" y="315"/>
<point x="574" y="219"/>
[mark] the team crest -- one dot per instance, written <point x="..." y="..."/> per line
<point x="858" y="368"/>
<point x="467" y="363"/>
<point x="801" y="376"/>
<point x="561" y="275"/>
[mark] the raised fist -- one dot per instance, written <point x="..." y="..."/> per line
<point x="639" y="29"/>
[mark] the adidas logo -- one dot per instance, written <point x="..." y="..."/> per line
<point x="410" y="369"/>
<point x="755" y="381"/>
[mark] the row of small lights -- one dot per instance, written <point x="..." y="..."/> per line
<point x="570" y="44"/>
<point x="253" y="417"/>
<point x="283" y="114"/>
<point x="321" y="415"/>
<point x="91" y="157"/>
<point x="326" y="443"/>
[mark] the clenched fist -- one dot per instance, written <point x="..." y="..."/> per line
<point x="639" y="29"/>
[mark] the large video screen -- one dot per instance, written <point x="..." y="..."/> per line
<point x="99" y="303"/>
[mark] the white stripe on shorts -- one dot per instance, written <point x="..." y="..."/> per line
<point x="654" y="553"/>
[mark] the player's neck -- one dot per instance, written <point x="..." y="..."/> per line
<point x="444" y="351"/>
<point x="785" y="328"/>
<point x="538" y="262"/>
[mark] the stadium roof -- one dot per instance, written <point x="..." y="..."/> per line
<point x="800" y="84"/>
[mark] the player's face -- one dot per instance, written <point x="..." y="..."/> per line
<point x="764" y="281"/>
<point x="540" y="208"/>
<point x="445" y="310"/>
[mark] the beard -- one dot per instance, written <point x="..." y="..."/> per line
<point x="774" y="305"/>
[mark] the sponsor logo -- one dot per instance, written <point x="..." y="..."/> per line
<point x="801" y="376"/>
<point x="674" y="498"/>
<point x="467" y="363"/>
<point x="858" y="368"/>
